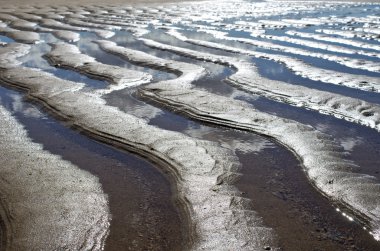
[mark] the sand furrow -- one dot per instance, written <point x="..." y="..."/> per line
<point x="219" y="215"/>
<point x="359" y="44"/>
<point x="318" y="45"/>
<point x="332" y="174"/>
<point x="299" y="67"/>
<point x="23" y="25"/>
<point x="345" y="61"/>
<point x="247" y="78"/>
<point x="349" y="34"/>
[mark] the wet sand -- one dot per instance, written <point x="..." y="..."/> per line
<point x="274" y="182"/>
<point x="281" y="194"/>
<point x="144" y="214"/>
<point x="2" y="239"/>
<point x="308" y="220"/>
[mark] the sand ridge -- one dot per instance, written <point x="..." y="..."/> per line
<point x="220" y="215"/>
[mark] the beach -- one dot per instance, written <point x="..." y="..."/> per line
<point x="175" y="125"/>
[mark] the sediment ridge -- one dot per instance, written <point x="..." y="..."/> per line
<point x="203" y="170"/>
<point x="332" y="175"/>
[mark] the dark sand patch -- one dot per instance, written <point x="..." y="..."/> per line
<point x="308" y="220"/>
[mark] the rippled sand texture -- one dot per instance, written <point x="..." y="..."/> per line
<point x="52" y="53"/>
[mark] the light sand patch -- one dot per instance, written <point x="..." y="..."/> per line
<point x="68" y="36"/>
<point x="28" y="37"/>
<point x="68" y="56"/>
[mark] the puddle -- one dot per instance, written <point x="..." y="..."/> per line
<point x="5" y="39"/>
<point x="322" y="63"/>
<point x="322" y="51"/>
<point x="334" y="126"/>
<point x="36" y="59"/>
<point x="275" y="71"/>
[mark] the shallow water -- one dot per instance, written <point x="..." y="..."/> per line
<point x="37" y="60"/>
<point x="313" y="221"/>
<point x="324" y="64"/>
<point x="352" y="137"/>
<point x="6" y="39"/>
<point x="139" y="194"/>
<point x="274" y="181"/>
<point x="276" y="71"/>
